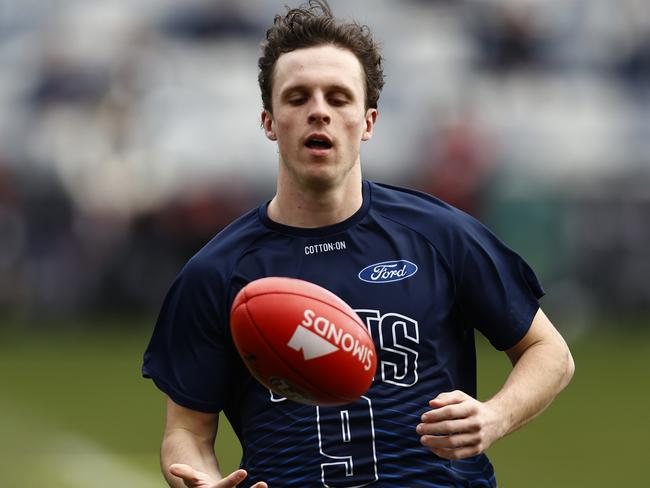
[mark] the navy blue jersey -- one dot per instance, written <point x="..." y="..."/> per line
<point x="422" y="276"/>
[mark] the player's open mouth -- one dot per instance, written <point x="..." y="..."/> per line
<point x="318" y="143"/>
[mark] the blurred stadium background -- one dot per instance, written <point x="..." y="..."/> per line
<point x="129" y="135"/>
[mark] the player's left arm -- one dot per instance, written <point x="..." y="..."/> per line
<point x="459" y="426"/>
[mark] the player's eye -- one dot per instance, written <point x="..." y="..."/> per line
<point x="337" y="102"/>
<point x="296" y="101"/>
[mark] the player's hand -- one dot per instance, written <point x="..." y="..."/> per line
<point x="458" y="426"/>
<point x="197" y="479"/>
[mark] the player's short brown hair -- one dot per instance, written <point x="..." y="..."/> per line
<point x="313" y="24"/>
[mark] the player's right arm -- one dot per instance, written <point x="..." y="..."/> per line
<point x="187" y="453"/>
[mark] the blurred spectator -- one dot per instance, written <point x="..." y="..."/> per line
<point x="458" y="165"/>
<point x="210" y="19"/>
<point x="634" y="67"/>
<point x="50" y="273"/>
<point x="614" y="232"/>
<point x="507" y="37"/>
<point x="13" y="238"/>
<point x="64" y="81"/>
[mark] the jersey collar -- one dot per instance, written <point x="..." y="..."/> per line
<point x="319" y="231"/>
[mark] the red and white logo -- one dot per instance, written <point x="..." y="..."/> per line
<point x="312" y="345"/>
<point x="317" y="336"/>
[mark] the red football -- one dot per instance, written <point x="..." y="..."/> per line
<point x="302" y="341"/>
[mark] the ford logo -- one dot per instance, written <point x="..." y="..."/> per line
<point x="388" y="271"/>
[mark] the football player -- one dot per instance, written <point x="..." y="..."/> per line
<point x="421" y="274"/>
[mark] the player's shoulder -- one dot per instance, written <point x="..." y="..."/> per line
<point x="420" y="211"/>
<point x="221" y="253"/>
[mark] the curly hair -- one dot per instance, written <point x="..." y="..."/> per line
<point x="313" y="24"/>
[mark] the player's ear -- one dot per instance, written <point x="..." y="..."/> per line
<point x="269" y="125"/>
<point x="370" y="119"/>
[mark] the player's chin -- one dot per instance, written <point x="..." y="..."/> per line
<point x="321" y="177"/>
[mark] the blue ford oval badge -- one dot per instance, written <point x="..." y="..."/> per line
<point x="388" y="271"/>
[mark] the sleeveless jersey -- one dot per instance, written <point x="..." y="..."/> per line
<point x="421" y="274"/>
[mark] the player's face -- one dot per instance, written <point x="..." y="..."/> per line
<point x="319" y="117"/>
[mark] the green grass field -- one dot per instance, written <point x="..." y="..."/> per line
<point x="74" y="412"/>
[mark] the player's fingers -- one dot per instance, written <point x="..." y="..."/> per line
<point x="456" y="426"/>
<point x="450" y="412"/>
<point x="448" y="398"/>
<point x="260" y="484"/>
<point x="233" y="479"/>
<point x="187" y="473"/>
<point x="456" y="441"/>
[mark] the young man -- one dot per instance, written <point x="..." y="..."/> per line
<point x="420" y="424"/>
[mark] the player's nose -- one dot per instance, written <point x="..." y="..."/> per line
<point x="318" y="110"/>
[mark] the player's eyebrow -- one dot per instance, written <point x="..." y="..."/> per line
<point x="290" y="90"/>
<point x="341" y="89"/>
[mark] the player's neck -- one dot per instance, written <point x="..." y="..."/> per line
<point x="309" y="207"/>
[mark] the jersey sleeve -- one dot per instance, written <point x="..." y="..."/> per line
<point x="497" y="291"/>
<point x="190" y="355"/>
